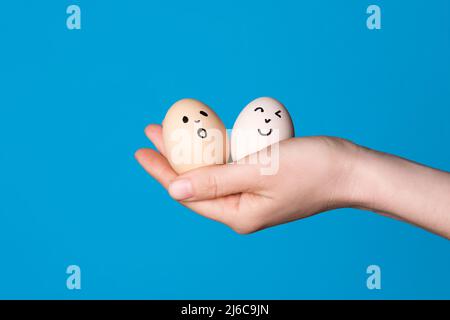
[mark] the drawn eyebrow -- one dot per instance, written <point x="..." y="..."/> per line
<point x="278" y="113"/>
<point x="259" y="108"/>
<point x="203" y="113"/>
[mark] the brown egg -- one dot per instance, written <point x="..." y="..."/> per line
<point x="194" y="136"/>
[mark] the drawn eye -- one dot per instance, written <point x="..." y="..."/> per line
<point x="278" y="113"/>
<point x="185" y="119"/>
<point x="259" y="108"/>
<point x="203" y="113"/>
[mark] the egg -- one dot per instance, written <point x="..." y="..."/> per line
<point x="194" y="136"/>
<point x="263" y="122"/>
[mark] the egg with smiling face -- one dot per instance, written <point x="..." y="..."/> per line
<point x="263" y="122"/>
<point x="194" y="136"/>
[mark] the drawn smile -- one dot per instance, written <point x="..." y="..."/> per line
<point x="202" y="133"/>
<point x="265" y="134"/>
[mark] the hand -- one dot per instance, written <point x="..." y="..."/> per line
<point x="313" y="175"/>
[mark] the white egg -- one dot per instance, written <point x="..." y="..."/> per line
<point x="263" y="122"/>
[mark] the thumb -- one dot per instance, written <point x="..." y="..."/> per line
<point x="214" y="182"/>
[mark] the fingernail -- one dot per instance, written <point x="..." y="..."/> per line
<point x="181" y="189"/>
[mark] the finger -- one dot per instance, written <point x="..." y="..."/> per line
<point x="215" y="181"/>
<point x="156" y="165"/>
<point x="154" y="133"/>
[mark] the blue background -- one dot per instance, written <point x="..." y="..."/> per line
<point x="74" y="103"/>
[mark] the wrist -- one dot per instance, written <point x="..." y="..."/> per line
<point x="348" y="185"/>
<point x="360" y="187"/>
<point x="375" y="182"/>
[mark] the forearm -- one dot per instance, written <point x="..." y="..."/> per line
<point x="403" y="189"/>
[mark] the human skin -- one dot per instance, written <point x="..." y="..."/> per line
<point x="315" y="174"/>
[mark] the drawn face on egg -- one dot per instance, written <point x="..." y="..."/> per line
<point x="265" y="117"/>
<point x="263" y="122"/>
<point x="202" y="133"/>
<point x="267" y="131"/>
<point x="194" y="136"/>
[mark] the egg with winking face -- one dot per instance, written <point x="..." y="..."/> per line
<point x="263" y="122"/>
<point x="194" y="136"/>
